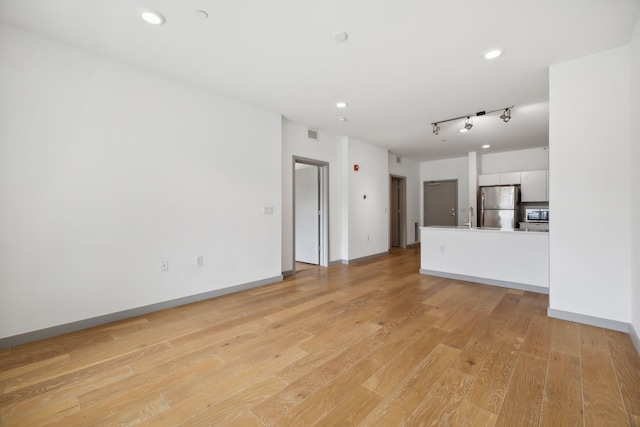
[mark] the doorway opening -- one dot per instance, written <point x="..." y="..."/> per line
<point x="397" y="212"/>
<point x="441" y="202"/>
<point x="310" y="213"/>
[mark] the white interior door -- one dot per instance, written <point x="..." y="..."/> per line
<point x="307" y="217"/>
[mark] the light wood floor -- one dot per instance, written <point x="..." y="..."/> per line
<point x="302" y="266"/>
<point x="365" y="344"/>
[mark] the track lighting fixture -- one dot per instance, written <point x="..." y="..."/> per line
<point x="506" y="116"/>
<point x="468" y="122"/>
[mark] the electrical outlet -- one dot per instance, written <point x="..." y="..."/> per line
<point x="367" y="237"/>
<point x="164" y="265"/>
<point x="199" y="261"/>
<point x="442" y="249"/>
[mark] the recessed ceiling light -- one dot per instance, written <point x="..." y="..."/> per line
<point x="341" y="104"/>
<point x="151" y="16"/>
<point x="463" y="130"/>
<point x="201" y="14"/>
<point x="342" y="119"/>
<point x="486" y="146"/>
<point x="339" y="36"/>
<point x="493" y="53"/>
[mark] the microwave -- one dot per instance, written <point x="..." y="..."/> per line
<point x="536" y="215"/>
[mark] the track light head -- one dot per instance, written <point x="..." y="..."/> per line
<point x="468" y="124"/>
<point x="506" y="116"/>
<point x="436" y="129"/>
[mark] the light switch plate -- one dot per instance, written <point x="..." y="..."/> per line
<point x="267" y="210"/>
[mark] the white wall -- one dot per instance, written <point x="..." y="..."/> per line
<point x="411" y="171"/>
<point x="107" y="168"/>
<point x="590" y="173"/>
<point x="437" y="170"/>
<point x="634" y="48"/>
<point x="368" y="227"/>
<point x="326" y="149"/>
<point x="515" y="161"/>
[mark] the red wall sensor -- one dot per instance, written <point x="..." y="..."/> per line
<point x="356" y="167"/>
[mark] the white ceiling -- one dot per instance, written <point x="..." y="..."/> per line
<point x="406" y="63"/>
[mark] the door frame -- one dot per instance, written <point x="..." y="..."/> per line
<point x="323" y="187"/>
<point x="402" y="202"/>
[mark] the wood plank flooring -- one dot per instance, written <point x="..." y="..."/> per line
<point x="370" y="344"/>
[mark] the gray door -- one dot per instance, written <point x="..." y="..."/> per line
<point x="307" y="214"/>
<point x="441" y="202"/>
<point x="398" y="212"/>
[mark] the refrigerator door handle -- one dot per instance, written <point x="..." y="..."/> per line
<point x="482" y="211"/>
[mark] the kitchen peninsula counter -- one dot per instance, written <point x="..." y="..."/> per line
<point x="509" y="258"/>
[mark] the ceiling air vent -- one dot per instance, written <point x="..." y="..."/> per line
<point x="312" y="134"/>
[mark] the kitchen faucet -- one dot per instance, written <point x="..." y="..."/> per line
<point x="470" y="223"/>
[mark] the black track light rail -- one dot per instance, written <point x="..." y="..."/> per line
<point x="479" y="113"/>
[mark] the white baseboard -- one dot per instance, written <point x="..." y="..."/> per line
<point x="364" y="258"/>
<point x="484" y="281"/>
<point x="126" y="314"/>
<point x="591" y="320"/>
<point x="635" y="338"/>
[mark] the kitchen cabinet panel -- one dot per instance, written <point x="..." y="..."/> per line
<point x="534" y="186"/>
<point x="512" y="178"/>
<point x="509" y="178"/>
<point x="489" y="179"/>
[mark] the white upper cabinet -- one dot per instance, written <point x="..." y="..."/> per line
<point x="534" y="186"/>
<point x="512" y="178"/>
<point x="489" y="179"/>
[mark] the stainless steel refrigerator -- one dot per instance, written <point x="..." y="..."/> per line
<point x="499" y="206"/>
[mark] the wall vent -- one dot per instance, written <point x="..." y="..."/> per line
<point x="312" y="134"/>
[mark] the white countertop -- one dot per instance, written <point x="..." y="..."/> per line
<point x="483" y="229"/>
